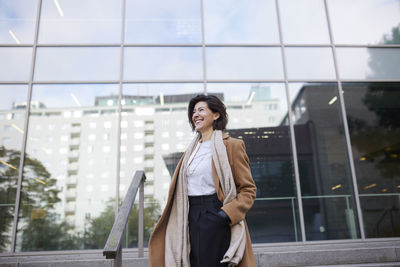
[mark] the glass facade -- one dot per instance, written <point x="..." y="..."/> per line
<point x="94" y="90"/>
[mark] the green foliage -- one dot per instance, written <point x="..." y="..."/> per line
<point x="98" y="228"/>
<point x="47" y="233"/>
<point x="39" y="226"/>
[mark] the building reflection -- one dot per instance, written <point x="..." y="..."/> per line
<point x="75" y="146"/>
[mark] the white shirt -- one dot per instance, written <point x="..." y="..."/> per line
<point x="199" y="171"/>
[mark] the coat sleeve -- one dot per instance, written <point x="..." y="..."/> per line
<point x="245" y="186"/>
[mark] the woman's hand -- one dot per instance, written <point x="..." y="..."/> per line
<point x="225" y="217"/>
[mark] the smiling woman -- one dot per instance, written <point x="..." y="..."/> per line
<point x="210" y="193"/>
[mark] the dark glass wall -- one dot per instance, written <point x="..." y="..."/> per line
<point x="373" y="115"/>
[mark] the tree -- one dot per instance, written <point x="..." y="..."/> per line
<point x="39" y="225"/>
<point x="99" y="228"/>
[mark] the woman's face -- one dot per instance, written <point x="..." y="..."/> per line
<point x="203" y="118"/>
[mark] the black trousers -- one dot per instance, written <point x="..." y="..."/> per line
<point x="210" y="234"/>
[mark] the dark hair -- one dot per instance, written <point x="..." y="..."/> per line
<point x="215" y="105"/>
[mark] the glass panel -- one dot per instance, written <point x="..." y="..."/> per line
<point x="15" y="63"/>
<point x="310" y="63"/>
<point x="243" y="22"/>
<point x="70" y="167"/>
<point x="373" y="117"/>
<point x="17" y="21"/>
<point x="73" y="63"/>
<point x="154" y="134"/>
<point x="12" y="116"/>
<point x="257" y="115"/>
<point x="80" y="21"/>
<point x="365" y="22"/>
<point x="369" y="63"/>
<point x="244" y="63"/>
<point x="325" y="178"/>
<point x="162" y="63"/>
<point x="156" y="21"/>
<point x="6" y="222"/>
<point x="304" y="22"/>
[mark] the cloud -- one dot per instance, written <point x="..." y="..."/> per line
<point x="77" y="63"/>
<point x="241" y="22"/>
<point x="12" y="93"/>
<point x="244" y="63"/>
<point x="15" y="63"/>
<point x="59" y="95"/>
<point x="163" y="63"/>
<point x="18" y="16"/>
<point x="363" y="22"/>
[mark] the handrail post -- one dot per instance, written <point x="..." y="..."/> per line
<point x="141" y="219"/>
<point x="113" y="247"/>
<point x="118" y="257"/>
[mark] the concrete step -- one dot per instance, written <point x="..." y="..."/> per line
<point x="388" y="264"/>
<point x="328" y="254"/>
<point x="318" y="254"/>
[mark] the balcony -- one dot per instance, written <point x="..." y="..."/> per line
<point x="74" y="143"/>
<point x="73" y="153"/>
<point x="75" y="129"/>
<point x="149" y="150"/>
<point x="72" y="180"/>
<point x="70" y="208"/>
<point x="73" y="167"/>
<point x="149" y="190"/>
<point x="149" y="139"/>
<point x="149" y="163"/>
<point x="70" y="194"/>
<point x="149" y="127"/>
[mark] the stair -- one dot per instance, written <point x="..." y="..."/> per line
<point x="368" y="253"/>
<point x="315" y="254"/>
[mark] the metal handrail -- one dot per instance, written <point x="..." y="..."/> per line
<point x="113" y="248"/>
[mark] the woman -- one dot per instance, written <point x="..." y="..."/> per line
<point x="211" y="191"/>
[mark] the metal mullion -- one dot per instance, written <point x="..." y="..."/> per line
<point x="368" y="45"/>
<point x="369" y="80"/>
<point x="242" y="45"/>
<point x="15" y="45"/>
<point x="13" y="82"/>
<point x="77" y="45"/>
<point x="25" y="135"/>
<point x="162" y="81"/>
<point x="345" y="126"/>
<point x="291" y="126"/>
<point x="268" y="45"/>
<point x="312" y="80"/>
<point x="203" y="47"/>
<point x="119" y="116"/>
<point x="306" y="45"/>
<point x="77" y="82"/>
<point x="245" y="81"/>
<point x="268" y="80"/>
<point x="162" y="45"/>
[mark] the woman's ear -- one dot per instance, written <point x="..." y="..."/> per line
<point x="216" y="116"/>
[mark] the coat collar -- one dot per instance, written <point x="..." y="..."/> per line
<point x="225" y="136"/>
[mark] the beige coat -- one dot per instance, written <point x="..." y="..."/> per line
<point x="236" y="210"/>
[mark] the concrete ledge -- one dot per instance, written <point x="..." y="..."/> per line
<point x="371" y="253"/>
